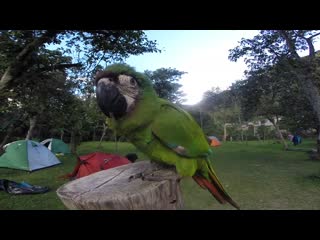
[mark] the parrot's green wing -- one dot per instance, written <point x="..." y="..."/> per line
<point x="176" y="129"/>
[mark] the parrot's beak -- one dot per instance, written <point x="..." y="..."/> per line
<point x="110" y="100"/>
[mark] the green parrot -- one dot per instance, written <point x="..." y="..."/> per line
<point x="164" y="132"/>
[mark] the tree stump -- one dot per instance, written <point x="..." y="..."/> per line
<point x="112" y="190"/>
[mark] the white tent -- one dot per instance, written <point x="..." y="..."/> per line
<point x="56" y="145"/>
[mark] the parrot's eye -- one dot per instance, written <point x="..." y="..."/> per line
<point x="133" y="82"/>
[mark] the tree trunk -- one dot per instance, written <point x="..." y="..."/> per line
<point x="21" y="62"/>
<point x="240" y="123"/>
<point x="258" y="136"/>
<point x="225" y="131"/>
<point x="275" y="124"/>
<point x="5" y="140"/>
<point x="256" y="133"/>
<point x="73" y="144"/>
<point x="105" y="127"/>
<point x="111" y="190"/>
<point x="61" y="134"/>
<point x="39" y="132"/>
<point x="241" y="134"/>
<point x="318" y="139"/>
<point x="10" y="131"/>
<point x="33" y="121"/>
<point x="94" y="134"/>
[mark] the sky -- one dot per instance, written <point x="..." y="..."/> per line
<point x="203" y="54"/>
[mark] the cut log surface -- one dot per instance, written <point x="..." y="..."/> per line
<point x="112" y="190"/>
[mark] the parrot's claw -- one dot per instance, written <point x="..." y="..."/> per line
<point x="143" y="175"/>
<point x="132" y="177"/>
<point x="155" y="166"/>
<point x="149" y="175"/>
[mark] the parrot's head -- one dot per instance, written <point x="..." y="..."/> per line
<point x="119" y="88"/>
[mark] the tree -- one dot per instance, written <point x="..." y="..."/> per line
<point x="90" y="47"/>
<point x="261" y="95"/>
<point x="41" y="82"/>
<point x="10" y="121"/>
<point x="95" y="119"/>
<point x="236" y="98"/>
<point x="165" y="83"/>
<point x="224" y="109"/>
<point x="273" y="46"/>
<point x="38" y="92"/>
<point x="18" y="47"/>
<point x="274" y="94"/>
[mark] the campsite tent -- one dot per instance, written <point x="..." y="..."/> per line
<point x="27" y="155"/>
<point x="56" y="145"/>
<point x="95" y="162"/>
<point x="214" y="141"/>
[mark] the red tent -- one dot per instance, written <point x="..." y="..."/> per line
<point x="214" y="141"/>
<point x="95" y="162"/>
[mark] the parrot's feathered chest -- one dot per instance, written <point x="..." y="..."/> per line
<point x="165" y="133"/>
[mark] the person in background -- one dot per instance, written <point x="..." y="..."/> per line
<point x="132" y="157"/>
<point x="299" y="139"/>
<point x="296" y="139"/>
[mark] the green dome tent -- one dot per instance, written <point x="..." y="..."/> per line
<point x="56" y="145"/>
<point x="27" y="155"/>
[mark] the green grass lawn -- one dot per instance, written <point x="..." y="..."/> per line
<point x="257" y="175"/>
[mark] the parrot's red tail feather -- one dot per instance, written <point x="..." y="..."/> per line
<point x="204" y="183"/>
<point x="215" y="181"/>
<point x="199" y="181"/>
<point x="215" y="188"/>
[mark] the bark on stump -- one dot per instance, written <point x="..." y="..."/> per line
<point x="111" y="190"/>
